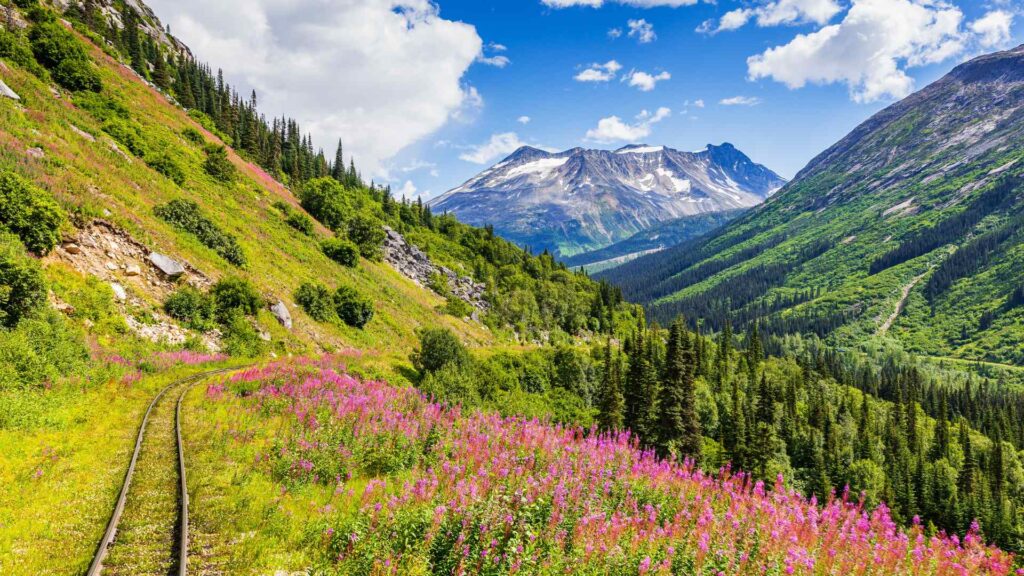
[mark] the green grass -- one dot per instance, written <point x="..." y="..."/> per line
<point x="62" y="474"/>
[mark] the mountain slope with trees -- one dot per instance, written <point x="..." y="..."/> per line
<point x="929" y="187"/>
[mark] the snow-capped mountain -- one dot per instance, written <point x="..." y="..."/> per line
<point x="580" y="200"/>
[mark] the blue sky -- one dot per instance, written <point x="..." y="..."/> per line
<point x="428" y="94"/>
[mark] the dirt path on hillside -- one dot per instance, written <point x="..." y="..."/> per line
<point x="884" y="329"/>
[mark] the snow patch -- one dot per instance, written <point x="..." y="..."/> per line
<point x="641" y="150"/>
<point x="543" y="167"/>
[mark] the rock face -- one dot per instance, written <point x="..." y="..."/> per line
<point x="280" y="311"/>
<point x="414" y="264"/>
<point x="6" y="92"/>
<point x="582" y="200"/>
<point x="166" y="265"/>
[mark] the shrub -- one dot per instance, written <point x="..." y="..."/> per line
<point x="326" y="200"/>
<point x="22" y="288"/>
<point x="78" y="76"/>
<point x="43" y="348"/>
<point x="59" y="50"/>
<point x="235" y="295"/>
<point x="368" y="234"/>
<point x="240" y="338"/>
<point x="301" y="222"/>
<point x="458" y="307"/>
<point x="192" y="135"/>
<point x="439" y="347"/>
<point x="16" y="48"/>
<point x="128" y="134"/>
<point x="353" y="308"/>
<point x="317" y="301"/>
<point x="30" y="213"/>
<point x="186" y="215"/>
<point x="167" y="166"/>
<point x="102" y="107"/>
<point x="341" y="251"/>
<point x="192" y="307"/>
<point x="452" y="384"/>
<point x="206" y="122"/>
<point x="218" y="164"/>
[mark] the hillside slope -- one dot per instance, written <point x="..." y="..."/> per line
<point x="582" y="200"/>
<point x="916" y="213"/>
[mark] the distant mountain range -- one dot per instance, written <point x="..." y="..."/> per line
<point x="911" y="227"/>
<point x="581" y="200"/>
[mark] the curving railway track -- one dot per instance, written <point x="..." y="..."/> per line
<point x="148" y="529"/>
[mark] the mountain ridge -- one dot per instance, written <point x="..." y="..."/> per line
<point x="581" y="199"/>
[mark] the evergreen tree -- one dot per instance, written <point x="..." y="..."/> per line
<point x="612" y="402"/>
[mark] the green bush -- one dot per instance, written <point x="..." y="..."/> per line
<point x="22" y="288"/>
<point x="327" y="201"/>
<point x="128" y="134"/>
<point x="192" y="135"/>
<point x="40" y="350"/>
<point x="63" y="54"/>
<point x="78" y="76"/>
<point x="439" y="347"/>
<point x="218" y="164"/>
<point x="206" y="122"/>
<point x="317" y="301"/>
<point x="341" y="251"/>
<point x="458" y="307"/>
<point x="368" y="234"/>
<point x="301" y="222"/>
<point x="353" y="308"/>
<point x="186" y="215"/>
<point x="240" y="338"/>
<point x="30" y="213"/>
<point x="102" y="107"/>
<point x="235" y="295"/>
<point x="452" y="384"/>
<point x="167" y="166"/>
<point x="191" y="307"/>
<point x="15" y="47"/>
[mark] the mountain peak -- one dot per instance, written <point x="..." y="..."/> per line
<point x="1006" y="66"/>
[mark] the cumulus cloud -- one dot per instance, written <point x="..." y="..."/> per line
<point x="993" y="29"/>
<point x="523" y="119"/>
<point x="871" y="49"/>
<point x="615" y="33"/>
<point x="599" y="72"/>
<point x="380" y="75"/>
<point x="614" y="129"/>
<point x="643" y="81"/>
<point x="739" y="101"/>
<point x="408" y="190"/>
<point x="642" y="30"/>
<point x="698" y="103"/>
<point x="498" y="146"/>
<point x="776" y="13"/>
<point x="496" y="60"/>
<point x="633" y="3"/>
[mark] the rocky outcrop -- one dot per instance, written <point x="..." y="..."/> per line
<point x="284" y="317"/>
<point x="416" y="265"/>
<point x="167" y="266"/>
<point x="6" y="92"/>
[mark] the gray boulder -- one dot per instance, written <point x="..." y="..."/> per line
<point x="167" y="265"/>
<point x="6" y="92"/>
<point x="280" y="311"/>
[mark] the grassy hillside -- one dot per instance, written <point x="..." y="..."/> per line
<point x="908" y="229"/>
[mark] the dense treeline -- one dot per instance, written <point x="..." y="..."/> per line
<point x="740" y="298"/>
<point x="969" y="258"/>
<point x="278" y="145"/>
<point x="924" y="241"/>
<point x="826" y="421"/>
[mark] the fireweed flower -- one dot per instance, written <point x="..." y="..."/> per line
<point x="416" y="483"/>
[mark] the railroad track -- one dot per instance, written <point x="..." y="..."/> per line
<point x="153" y="502"/>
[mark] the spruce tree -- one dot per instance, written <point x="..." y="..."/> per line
<point x="612" y="403"/>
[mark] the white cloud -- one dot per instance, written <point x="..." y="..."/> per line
<point x="614" y="129"/>
<point x="615" y="33"/>
<point x="698" y="103"/>
<point x="498" y="61"/>
<point x="523" y="119"/>
<point x="643" y="81"/>
<point x="498" y="146"/>
<point x="633" y="3"/>
<point x="993" y="29"/>
<point x="873" y="46"/>
<point x="417" y="165"/>
<point x="740" y="101"/>
<point x="642" y="30"/>
<point x="379" y="75"/>
<point x="408" y="190"/>
<point x="497" y="47"/>
<point x="599" y="72"/>
<point x="776" y="13"/>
